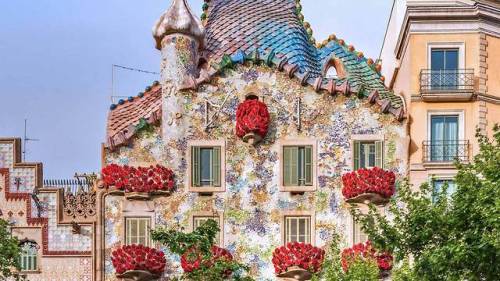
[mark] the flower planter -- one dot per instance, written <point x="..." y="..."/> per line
<point x="252" y="121"/>
<point x="291" y="260"/>
<point x="295" y="273"/>
<point x="138" y="275"/>
<point x="139" y="196"/>
<point x="367" y="198"/>
<point x="252" y="138"/>
<point x="373" y="185"/>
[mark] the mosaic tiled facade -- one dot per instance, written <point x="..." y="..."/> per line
<point x="204" y="79"/>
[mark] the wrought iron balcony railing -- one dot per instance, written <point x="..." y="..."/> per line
<point x="456" y="80"/>
<point x="445" y="151"/>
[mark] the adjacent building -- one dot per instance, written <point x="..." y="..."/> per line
<point x="442" y="57"/>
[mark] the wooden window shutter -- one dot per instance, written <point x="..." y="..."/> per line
<point x="195" y="166"/>
<point x="357" y="147"/>
<point x="290" y="166"/>
<point x="216" y="166"/>
<point x="379" y="154"/>
<point x="308" y="165"/>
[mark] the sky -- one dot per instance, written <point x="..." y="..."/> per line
<point x="56" y="60"/>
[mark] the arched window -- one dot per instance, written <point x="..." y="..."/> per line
<point x="334" y="69"/>
<point x="331" y="73"/>
<point x="29" y="255"/>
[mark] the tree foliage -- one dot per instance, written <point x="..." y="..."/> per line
<point x="359" y="270"/>
<point x="452" y="238"/>
<point x="9" y="252"/>
<point x="201" y="240"/>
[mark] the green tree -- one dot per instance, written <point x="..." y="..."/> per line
<point x="359" y="269"/>
<point x="452" y="238"/>
<point x="201" y="239"/>
<point x="9" y="252"/>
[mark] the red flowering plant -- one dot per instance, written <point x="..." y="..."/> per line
<point x="200" y="258"/>
<point x="140" y="179"/>
<point x="305" y="256"/>
<point x="365" y="251"/>
<point x="193" y="260"/>
<point x="252" y="116"/>
<point x="138" y="257"/>
<point x="374" y="180"/>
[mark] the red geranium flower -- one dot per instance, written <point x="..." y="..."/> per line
<point x="252" y="117"/>
<point x="305" y="256"/>
<point x="140" y="179"/>
<point x="138" y="257"/>
<point x="366" y="251"/>
<point x="192" y="259"/>
<point x="375" y="180"/>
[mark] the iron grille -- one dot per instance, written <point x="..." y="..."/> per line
<point x="456" y="80"/>
<point x="446" y="151"/>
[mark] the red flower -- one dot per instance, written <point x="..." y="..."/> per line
<point x="140" y="179"/>
<point x="302" y="255"/>
<point x="252" y="117"/>
<point x="375" y="180"/>
<point x="192" y="260"/>
<point x="366" y="252"/>
<point x="138" y="257"/>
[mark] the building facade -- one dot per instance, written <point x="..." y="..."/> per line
<point x="442" y="58"/>
<point x="328" y="113"/>
<point x="55" y="227"/>
<point x="285" y="188"/>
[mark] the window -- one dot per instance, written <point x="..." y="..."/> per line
<point x="444" y="138"/>
<point x="357" y="233"/>
<point x="206" y="166"/>
<point x="439" y="184"/>
<point x="445" y="61"/>
<point x="298" y="229"/>
<point x="29" y="255"/>
<point x="199" y="220"/>
<point x="298" y="165"/>
<point x="368" y="154"/>
<point x="137" y="231"/>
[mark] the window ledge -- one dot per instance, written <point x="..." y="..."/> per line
<point x="451" y="95"/>
<point x="38" y="271"/>
<point x="439" y="165"/>
<point x="206" y="190"/>
<point x="297" y="189"/>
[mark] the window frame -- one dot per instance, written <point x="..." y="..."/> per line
<point x="461" y="125"/>
<point x="36" y="257"/>
<point x="314" y="164"/>
<point x="149" y="241"/>
<point x="355" y="232"/>
<point x="209" y="214"/>
<point x="447" y="45"/>
<point x="206" y="144"/>
<point x="440" y="177"/>
<point x="365" y="139"/>
<point x="298" y="214"/>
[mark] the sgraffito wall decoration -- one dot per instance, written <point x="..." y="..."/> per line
<point x="253" y="204"/>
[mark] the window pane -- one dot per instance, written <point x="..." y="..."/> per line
<point x="437" y="59"/>
<point x="297" y="229"/>
<point x="451" y="59"/>
<point x="206" y="166"/>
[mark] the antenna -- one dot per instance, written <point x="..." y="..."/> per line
<point x="26" y="139"/>
<point x="127" y="68"/>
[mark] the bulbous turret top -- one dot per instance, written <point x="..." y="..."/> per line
<point x="178" y="19"/>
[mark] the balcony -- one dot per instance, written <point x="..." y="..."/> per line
<point x="439" y="153"/>
<point x="447" y="85"/>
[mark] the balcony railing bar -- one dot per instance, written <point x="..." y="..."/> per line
<point x="445" y="151"/>
<point x="457" y="80"/>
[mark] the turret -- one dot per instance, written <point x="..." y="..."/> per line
<point x="179" y="36"/>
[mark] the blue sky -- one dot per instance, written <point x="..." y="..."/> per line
<point x="56" y="57"/>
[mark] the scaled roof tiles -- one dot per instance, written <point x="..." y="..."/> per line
<point x="271" y="31"/>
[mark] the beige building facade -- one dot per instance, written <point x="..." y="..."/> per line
<point x="442" y="57"/>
